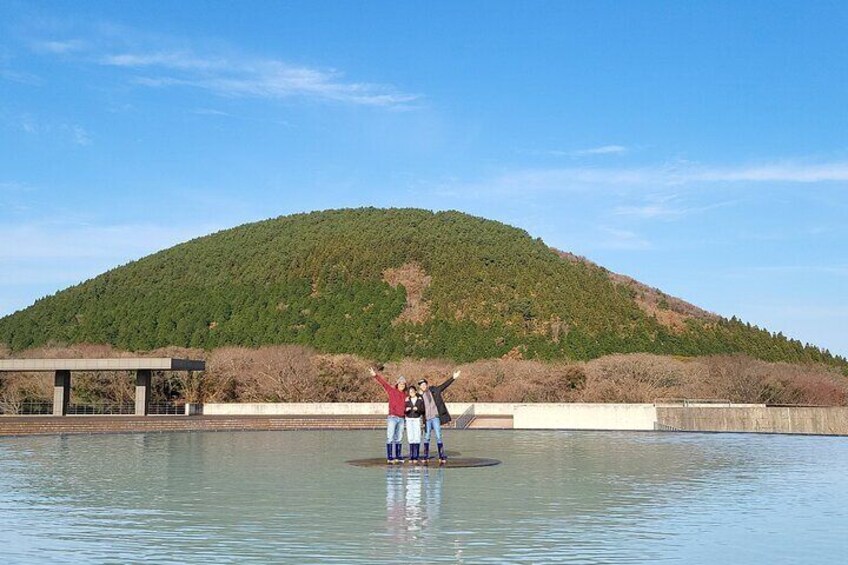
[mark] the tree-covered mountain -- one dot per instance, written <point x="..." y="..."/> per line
<point x="385" y="284"/>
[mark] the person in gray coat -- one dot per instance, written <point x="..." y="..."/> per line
<point x="436" y="414"/>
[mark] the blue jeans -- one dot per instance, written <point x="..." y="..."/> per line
<point x="435" y="425"/>
<point x="394" y="429"/>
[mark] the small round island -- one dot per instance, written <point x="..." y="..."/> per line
<point x="452" y="463"/>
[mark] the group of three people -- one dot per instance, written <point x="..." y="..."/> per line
<point x="408" y="406"/>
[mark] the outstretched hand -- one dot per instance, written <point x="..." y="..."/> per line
<point x="456" y="374"/>
<point x="372" y="371"/>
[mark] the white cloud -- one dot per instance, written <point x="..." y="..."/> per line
<point x="589" y="152"/>
<point x="838" y="270"/>
<point x="772" y="172"/>
<point x="29" y="125"/>
<point x="602" y="150"/>
<point x="656" y="177"/>
<point x="11" y="186"/>
<point x="666" y="209"/>
<point x="59" y="47"/>
<point x="57" y="241"/>
<point x="211" y="112"/>
<point x="79" y="135"/>
<point x="620" y="239"/>
<point x="48" y="257"/>
<point x="72" y="132"/>
<point x="19" y="77"/>
<point x="262" y="79"/>
<point x="231" y="75"/>
<point x="174" y="60"/>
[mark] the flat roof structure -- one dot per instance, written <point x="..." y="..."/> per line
<point x="114" y="364"/>
<point x="142" y="366"/>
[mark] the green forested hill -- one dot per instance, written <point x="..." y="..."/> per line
<point x="383" y="284"/>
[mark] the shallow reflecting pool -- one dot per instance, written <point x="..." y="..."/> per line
<point x="557" y="497"/>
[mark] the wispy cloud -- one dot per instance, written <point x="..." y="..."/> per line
<point x="58" y="241"/>
<point x="67" y="132"/>
<point x="13" y="186"/>
<point x="660" y="176"/>
<point x="224" y="74"/>
<point x="577" y="153"/>
<point x="20" y="77"/>
<point x="621" y="239"/>
<point x="59" y="47"/>
<point x="771" y="172"/>
<point x="838" y="270"/>
<point x="262" y="79"/>
<point x="602" y="150"/>
<point x="669" y="209"/>
<point x="211" y="112"/>
<point x="49" y="256"/>
<point x="78" y="134"/>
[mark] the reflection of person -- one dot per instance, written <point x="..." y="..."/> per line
<point x="395" y="502"/>
<point x="436" y="414"/>
<point x="414" y="411"/>
<point x="413" y="503"/>
<point x="394" y="422"/>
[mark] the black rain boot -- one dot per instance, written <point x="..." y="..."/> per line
<point x="427" y="451"/>
<point x="399" y="452"/>
<point x="442" y="456"/>
<point x="389" y="457"/>
<point x="413" y="452"/>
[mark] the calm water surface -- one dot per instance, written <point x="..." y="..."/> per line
<point x="584" y="497"/>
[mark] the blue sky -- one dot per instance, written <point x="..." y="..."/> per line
<point x="701" y="148"/>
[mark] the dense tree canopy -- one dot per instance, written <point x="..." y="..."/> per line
<point x="319" y="279"/>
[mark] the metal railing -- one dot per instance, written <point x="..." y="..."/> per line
<point x="166" y="408"/>
<point x="692" y="401"/>
<point x="101" y="409"/>
<point x="26" y="407"/>
<point x="465" y="419"/>
<point x="45" y="408"/>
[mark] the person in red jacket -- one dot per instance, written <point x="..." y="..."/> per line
<point x="397" y="413"/>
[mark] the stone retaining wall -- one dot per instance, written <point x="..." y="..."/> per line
<point x="757" y="419"/>
<point x="50" y="425"/>
<point x="457" y="409"/>
<point x="641" y="417"/>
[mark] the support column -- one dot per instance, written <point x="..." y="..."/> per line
<point x="61" y="393"/>
<point x="142" y="391"/>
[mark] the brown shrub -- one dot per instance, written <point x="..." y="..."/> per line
<point x="340" y="379"/>
<point x="638" y="377"/>
<point x="268" y="374"/>
<point x="291" y="373"/>
<point x="743" y="379"/>
<point x="19" y="388"/>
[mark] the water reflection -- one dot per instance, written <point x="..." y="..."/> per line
<point x="413" y="501"/>
<point x="263" y="497"/>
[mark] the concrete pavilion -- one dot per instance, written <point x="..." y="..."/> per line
<point x="62" y="368"/>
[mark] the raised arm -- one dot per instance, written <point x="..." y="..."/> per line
<point x="383" y="382"/>
<point x="442" y="387"/>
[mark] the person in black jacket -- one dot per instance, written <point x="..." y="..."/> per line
<point x="436" y="413"/>
<point x="414" y="412"/>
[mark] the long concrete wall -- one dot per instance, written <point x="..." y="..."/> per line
<point x="571" y="416"/>
<point x="636" y="417"/>
<point x="521" y="416"/>
<point x="756" y="419"/>
<point x="457" y="409"/>
<point x="641" y="417"/>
